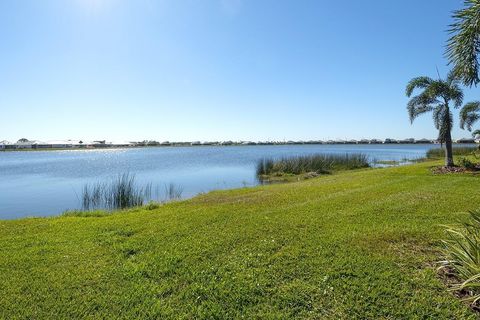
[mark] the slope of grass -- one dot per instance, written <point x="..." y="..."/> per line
<point x="352" y="245"/>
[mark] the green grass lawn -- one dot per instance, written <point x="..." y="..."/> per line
<point x="354" y="245"/>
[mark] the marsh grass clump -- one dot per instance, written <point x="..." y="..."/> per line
<point x="462" y="257"/>
<point x="152" y="205"/>
<point x="93" y="195"/>
<point x="120" y="193"/>
<point x="265" y="167"/>
<point x="318" y="163"/>
<point x="173" y="192"/>
<point x="124" y="192"/>
<point x="437" y="153"/>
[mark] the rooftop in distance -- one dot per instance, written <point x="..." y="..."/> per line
<point x="83" y="144"/>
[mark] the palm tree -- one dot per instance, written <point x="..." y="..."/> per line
<point x="436" y="96"/>
<point x="470" y="114"/>
<point x="463" y="48"/>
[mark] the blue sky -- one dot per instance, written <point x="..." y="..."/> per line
<point x="217" y="69"/>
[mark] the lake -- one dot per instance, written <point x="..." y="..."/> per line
<point x="42" y="183"/>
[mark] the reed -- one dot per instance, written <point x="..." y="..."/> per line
<point x="437" y="153"/>
<point x="319" y="163"/>
<point x="124" y="192"/>
<point x="120" y="193"/>
<point x="173" y="192"/>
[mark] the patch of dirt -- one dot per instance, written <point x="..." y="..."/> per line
<point x="446" y="170"/>
<point x="449" y="278"/>
<point x="311" y="175"/>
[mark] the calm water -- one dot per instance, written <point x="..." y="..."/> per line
<point x="50" y="182"/>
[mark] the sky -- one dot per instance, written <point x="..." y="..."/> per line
<point x="184" y="70"/>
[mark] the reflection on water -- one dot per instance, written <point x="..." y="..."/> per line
<point x="49" y="182"/>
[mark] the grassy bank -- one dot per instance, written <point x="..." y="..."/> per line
<point x="351" y="245"/>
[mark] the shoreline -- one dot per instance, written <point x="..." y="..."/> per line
<point x="285" y="179"/>
<point x="265" y="180"/>
<point x="219" y="145"/>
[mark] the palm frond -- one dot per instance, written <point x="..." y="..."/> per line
<point x="446" y="125"/>
<point x="469" y="114"/>
<point x="455" y="93"/>
<point x="417" y="83"/>
<point x="419" y="105"/>
<point x="453" y="78"/>
<point x="463" y="46"/>
<point x="438" y="115"/>
<point x="443" y="120"/>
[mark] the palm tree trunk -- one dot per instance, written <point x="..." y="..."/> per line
<point x="448" y="150"/>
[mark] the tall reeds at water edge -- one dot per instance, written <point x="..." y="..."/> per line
<point x="319" y="163"/>
<point x="173" y="192"/>
<point x="123" y="192"/>
<point x="457" y="151"/>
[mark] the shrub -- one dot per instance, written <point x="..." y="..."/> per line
<point x="467" y="164"/>
<point x="462" y="256"/>
<point x="152" y="205"/>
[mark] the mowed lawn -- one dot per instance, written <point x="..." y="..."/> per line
<point x="353" y="245"/>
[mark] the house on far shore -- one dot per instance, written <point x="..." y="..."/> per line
<point x="60" y="144"/>
<point x="117" y="144"/>
<point x="390" y="141"/>
<point x="406" y="141"/>
<point x="465" y="140"/>
<point x="63" y="144"/>
<point x="5" y="145"/>
<point x="25" y="144"/>
<point x="423" y="141"/>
